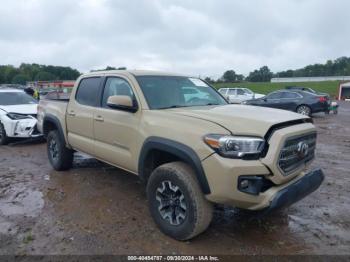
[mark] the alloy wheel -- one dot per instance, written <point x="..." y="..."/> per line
<point x="172" y="205"/>
<point x="304" y="110"/>
<point x="53" y="149"/>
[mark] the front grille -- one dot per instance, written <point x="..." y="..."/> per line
<point x="296" y="152"/>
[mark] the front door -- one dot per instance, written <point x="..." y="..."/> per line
<point x="117" y="131"/>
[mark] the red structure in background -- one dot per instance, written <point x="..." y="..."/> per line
<point x="52" y="84"/>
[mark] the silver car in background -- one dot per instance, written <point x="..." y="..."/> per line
<point x="237" y="95"/>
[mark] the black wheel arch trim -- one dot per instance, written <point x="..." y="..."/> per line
<point x="54" y="120"/>
<point x="182" y="151"/>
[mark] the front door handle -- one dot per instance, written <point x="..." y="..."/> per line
<point x="71" y="113"/>
<point x="99" y="119"/>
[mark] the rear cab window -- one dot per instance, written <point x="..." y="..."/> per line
<point x="88" y="91"/>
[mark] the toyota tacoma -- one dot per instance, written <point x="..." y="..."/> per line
<point x="182" y="138"/>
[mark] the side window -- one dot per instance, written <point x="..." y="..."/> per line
<point x="223" y="91"/>
<point x="88" y="91"/>
<point x="290" y="95"/>
<point x="232" y="92"/>
<point x="116" y="86"/>
<point x="240" y="92"/>
<point x="276" y="95"/>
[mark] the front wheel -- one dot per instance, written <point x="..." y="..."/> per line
<point x="304" y="110"/>
<point x="3" y="136"/>
<point x="60" y="157"/>
<point x="176" y="201"/>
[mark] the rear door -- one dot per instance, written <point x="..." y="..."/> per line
<point x="117" y="131"/>
<point x="80" y="113"/>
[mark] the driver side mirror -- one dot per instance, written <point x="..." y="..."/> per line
<point x="122" y="103"/>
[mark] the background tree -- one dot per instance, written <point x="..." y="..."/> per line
<point x="262" y="75"/>
<point x="30" y="72"/>
<point x="44" y="76"/>
<point x="229" y="76"/>
<point x="209" y="80"/>
<point x="20" y="79"/>
<point x="239" y="78"/>
<point x="337" y="67"/>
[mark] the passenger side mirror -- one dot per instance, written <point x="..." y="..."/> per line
<point x="122" y="103"/>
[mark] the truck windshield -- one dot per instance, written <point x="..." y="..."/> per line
<point x="175" y="91"/>
<point x="16" y="98"/>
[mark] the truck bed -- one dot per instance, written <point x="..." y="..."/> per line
<point x="55" y="106"/>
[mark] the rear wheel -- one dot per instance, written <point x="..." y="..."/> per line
<point x="3" y="137"/>
<point x="304" y="110"/>
<point x="60" y="157"/>
<point x="176" y="201"/>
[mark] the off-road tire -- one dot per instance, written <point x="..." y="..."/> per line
<point x="199" y="212"/>
<point x="3" y="137"/>
<point x="304" y="110"/>
<point x="62" y="157"/>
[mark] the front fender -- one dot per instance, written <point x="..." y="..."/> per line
<point x="182" y="151"/>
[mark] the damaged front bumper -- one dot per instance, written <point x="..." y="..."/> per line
<point x="296" y="191"/>
<point x="21" y="128"/>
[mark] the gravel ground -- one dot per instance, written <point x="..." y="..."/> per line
<point x="98" y="209"/>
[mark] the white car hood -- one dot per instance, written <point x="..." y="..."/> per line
<point x="30" y="109"/>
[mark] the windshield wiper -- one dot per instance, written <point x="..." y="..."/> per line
<point x="172" y="106"/>
<point x="178" y="106"/>
<point x="212" y="104"/>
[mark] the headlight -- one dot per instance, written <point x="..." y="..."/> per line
<point x="235" y="146"/>
<point x="15" y="116"/>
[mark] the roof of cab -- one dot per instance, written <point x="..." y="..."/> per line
<point x="136" y="73"/>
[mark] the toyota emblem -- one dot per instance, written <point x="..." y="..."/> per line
<point x="303" y="149"/>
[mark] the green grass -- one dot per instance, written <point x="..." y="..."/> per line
<point x="329" y="87"/>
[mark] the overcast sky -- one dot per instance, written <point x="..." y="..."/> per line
<point x="203" y="37"/>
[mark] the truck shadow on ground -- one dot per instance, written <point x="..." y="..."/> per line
<point x="96" y="199"/>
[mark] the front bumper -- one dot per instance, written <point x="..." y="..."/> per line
<point x="23" y="128"/>
<point x="296" y="191"/>
<point x="223" y="174"/>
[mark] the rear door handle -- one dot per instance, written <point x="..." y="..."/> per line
<point x="99" y="119"/>
<point x="71" y="113"/>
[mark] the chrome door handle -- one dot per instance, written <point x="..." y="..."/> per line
<point x="99" y="119"/>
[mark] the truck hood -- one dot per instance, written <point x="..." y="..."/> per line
<point x="28" y="109"/>
<point x="240" y="119"/>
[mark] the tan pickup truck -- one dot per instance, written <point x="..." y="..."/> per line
<point x="183" y="139"/>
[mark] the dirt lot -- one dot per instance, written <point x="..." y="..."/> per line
<point x="97" y="209"/>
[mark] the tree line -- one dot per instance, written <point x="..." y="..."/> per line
<point x="35" y="72"/>
<point x="337" y="67"/>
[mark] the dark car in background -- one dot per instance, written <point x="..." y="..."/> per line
<point x="306" y="89"/>
<point x="302" y="102"/>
